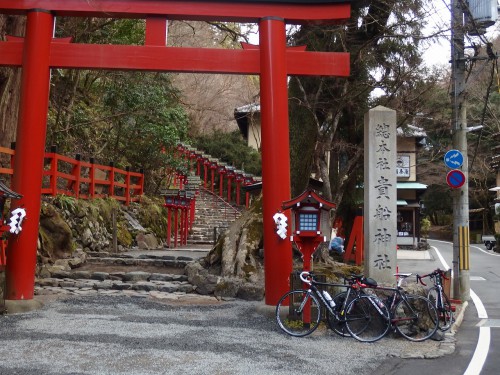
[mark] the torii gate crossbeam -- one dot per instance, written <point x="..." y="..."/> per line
<point x="38" y="52"/>
<point x="66" y="55"/>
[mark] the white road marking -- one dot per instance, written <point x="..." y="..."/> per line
<point x="483" y="343"/>
<point x="477" y="278"/>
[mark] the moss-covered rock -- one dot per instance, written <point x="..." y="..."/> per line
<point x="152" y="215"/>
<point x="55" y="234"/>
<point x="68" y="223"/>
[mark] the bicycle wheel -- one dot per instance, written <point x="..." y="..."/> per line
<point x="337" y="322"/>
<point x="415" y="318"/>
<point x="445" y="313"/>
<point x="298" y="313"/>
<point x="367" y="318"/>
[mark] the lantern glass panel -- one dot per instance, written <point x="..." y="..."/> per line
<point x="308" y="221"/>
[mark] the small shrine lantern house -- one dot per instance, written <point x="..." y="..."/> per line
<point x="310" y="223"/>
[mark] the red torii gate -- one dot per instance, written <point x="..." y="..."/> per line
<point x="38" y="52"/>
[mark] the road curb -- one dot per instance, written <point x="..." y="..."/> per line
<point x="459" y="317"/>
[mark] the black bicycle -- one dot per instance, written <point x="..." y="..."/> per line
<point x="412" y="316"/>
<point x="439" y="298"/>
<point x="298" y="312"/>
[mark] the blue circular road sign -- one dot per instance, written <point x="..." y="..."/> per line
<point x="455" y="179"/>
<point x="453" y="159"/>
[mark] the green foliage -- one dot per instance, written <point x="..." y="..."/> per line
<point x="232" y="149"/>
<point x="438" y="204"/>
<point x="425" y="226"/>
<point x="133" y="118"/>
<point x="101" y="30"/>
<point x="153" y="216"/>
<point x="303" y="137"/>
<point x="65" y="202"/>
<point x="129" y="118"/>
<point x="104" y="208"/>
<point x="147" y="118"/>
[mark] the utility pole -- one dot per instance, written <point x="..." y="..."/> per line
<point x="461" y="276"/>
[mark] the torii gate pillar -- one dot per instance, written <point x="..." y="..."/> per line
<point x="30" y="146"/>
<point x="275" y="152"/>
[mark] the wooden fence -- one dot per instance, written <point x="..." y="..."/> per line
<point x="80" y="179"/>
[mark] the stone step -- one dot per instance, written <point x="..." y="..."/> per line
<point x="160" y="261"/>
<point x="210" y="213"/>
<point x="135" y="283"/>
<point x="201" y="241"/>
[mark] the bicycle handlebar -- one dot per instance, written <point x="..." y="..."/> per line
<point x="419" y="279"/>
<point x="435" y="273"/>
<point x="306" y="277"/>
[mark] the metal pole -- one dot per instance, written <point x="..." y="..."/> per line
<point x="461" y="279"/>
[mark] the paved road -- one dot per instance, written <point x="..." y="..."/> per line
<point x="477" y="340"/>
<point x="125" y="335"/>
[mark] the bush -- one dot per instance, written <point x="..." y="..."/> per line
<point x="425" y="226"/>
<point x="232" y="149"/>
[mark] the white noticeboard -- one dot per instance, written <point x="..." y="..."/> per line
<point x="403" y="166"/>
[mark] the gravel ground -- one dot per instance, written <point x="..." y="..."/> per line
<point x="124" y="335"/>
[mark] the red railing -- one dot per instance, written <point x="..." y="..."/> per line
<point x="7" y="156"/>
<point x="84" y="180"/>
<point x="76" y="178"/>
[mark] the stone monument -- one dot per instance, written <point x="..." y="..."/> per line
<point x="380" y="203"/>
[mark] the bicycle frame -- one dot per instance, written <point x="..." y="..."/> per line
<point x="440" y="299"/>
<point x="353" y="285"/>
<point x="397" y="295"/>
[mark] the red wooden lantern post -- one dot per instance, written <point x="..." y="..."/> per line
<point x="239" y="178"/>
<point x="230" y="175"/>
<point x="222" y="171"/>
<point x="213" y="168"/>
<point x="199" y="163"/>
<point x="248" y="180"/>
<point x="206" y="166"/>
<point x="170" y="195"/>
<point x="176" y="220"/>
<point x="310" y="213"/>
<point x="191" y="159"/>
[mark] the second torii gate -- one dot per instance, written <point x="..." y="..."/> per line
<point x="38" y="52"/>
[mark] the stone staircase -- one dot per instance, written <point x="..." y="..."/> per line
<point x="212" y="217"/>
<point x="141" y="275"/>
<point x="151" y="273"/>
